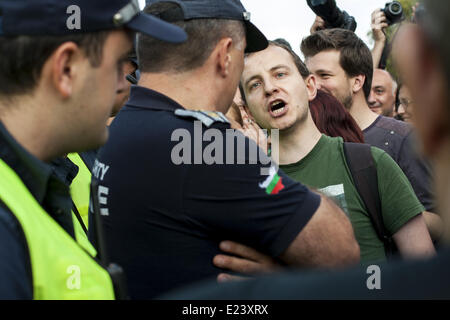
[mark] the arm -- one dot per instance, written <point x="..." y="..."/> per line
<point x="326" y="241"/>
<point x="313" y="247"/>
<point x="15" y="271"/>
<point x="413" y="239"/>
<point x="378" y="26"/>
<point x="434" y="225"/>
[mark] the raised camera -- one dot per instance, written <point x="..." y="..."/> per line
<point x="394" y="12"/>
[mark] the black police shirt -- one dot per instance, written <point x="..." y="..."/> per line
<point x="164" y="207"/>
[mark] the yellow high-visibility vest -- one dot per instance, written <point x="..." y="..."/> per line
<point x="61" y="268"/>
<point x="79" y="189"/>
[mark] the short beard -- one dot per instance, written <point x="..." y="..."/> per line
<point x="347" y="102"/>
<point x="299" y="122"/>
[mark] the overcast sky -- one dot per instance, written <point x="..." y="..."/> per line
<point x="292" y="19"/>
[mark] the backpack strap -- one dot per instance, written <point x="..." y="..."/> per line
<point x="364" y="172"/>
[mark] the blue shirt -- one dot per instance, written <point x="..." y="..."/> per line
<point x="48" y="184"/>
<point x="163" y="221"/>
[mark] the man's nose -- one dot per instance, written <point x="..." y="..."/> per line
<point x="371" y="99"/>
<point x="270" y="87"/>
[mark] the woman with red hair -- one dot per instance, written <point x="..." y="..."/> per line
<point x="333" y="120"/>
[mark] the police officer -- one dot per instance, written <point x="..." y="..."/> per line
<point x="170" y="193"/>
<point x="60" y="69"/>
<point x="76" y="168"/>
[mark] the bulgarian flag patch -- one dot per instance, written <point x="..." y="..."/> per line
<point x="273" y="184"/>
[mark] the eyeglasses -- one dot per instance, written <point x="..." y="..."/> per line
<point x="405" y="103"/>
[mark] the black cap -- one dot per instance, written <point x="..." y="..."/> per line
<point x="61" y="17"/>
<point x="216" y="9"/>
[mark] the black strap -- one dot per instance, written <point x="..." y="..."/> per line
<point x="77" y="214"/>
<point x="115" y="271"/>
<point x="362" y="167"/>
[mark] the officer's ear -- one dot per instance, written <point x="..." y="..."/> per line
<point x="63" y="68"/>
<point x="223" y="56"/>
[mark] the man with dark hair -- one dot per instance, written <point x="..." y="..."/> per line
<point x="277" y="88"/>
<point x="422" y="54"/>
<point x="342" y="64"/>
<point x="167" y="204"/>
<point x="60" y="68"/>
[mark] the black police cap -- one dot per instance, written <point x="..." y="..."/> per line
<point x="55" y="17"/>
<point x="216" y="9"/>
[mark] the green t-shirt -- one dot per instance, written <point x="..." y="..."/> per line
<point x="325" y="169"/>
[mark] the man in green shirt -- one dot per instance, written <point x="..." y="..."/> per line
<point x="277" y="88"/>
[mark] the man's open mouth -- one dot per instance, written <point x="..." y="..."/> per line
<point x="278" y="108"/>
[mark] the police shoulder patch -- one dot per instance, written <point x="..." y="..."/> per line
<point x="206" y="117"/>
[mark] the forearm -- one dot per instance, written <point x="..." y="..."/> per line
<point x="377" y="53"/>
<point x="327" y="240"/>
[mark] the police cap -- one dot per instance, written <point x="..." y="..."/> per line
<point x="53" y="17"/>
<point x="215" y="9"/>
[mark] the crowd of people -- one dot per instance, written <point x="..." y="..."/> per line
<point x="140" y="165"/>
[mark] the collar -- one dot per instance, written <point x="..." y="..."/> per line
<point x="65" y="170"/>
<point x="34" y="173"/>
<point x="141" y="97"/>
<point x="373" y="124"/>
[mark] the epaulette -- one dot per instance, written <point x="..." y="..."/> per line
<point x="206" y="117"/>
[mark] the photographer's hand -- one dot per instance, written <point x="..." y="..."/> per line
<point x="319" y="24"/>
<point x="379" y="25"/>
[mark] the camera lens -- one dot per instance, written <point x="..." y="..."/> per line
<point x="396" y="8"/>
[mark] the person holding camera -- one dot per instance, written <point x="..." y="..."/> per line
<point x="379" y="24"/>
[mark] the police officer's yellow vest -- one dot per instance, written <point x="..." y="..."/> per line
<point x="79" y="189"/>
<point x="61" y="269"/>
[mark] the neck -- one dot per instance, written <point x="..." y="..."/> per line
<point x="30" y="126"/>
<point x="297" y="142"/>
<point x="361" y="112"/>
<point x="192" y="90"/>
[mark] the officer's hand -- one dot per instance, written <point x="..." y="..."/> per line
<point x="379" y="24"/>
<point x="252" y="130"/>
<point x="248" y="261"/>
<point x="319" y="24"/>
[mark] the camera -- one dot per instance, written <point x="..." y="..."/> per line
<point x="393" y="12"/>
<point x="332" y="15"/>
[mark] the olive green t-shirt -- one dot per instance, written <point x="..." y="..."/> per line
<point x="325" y="169"/>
